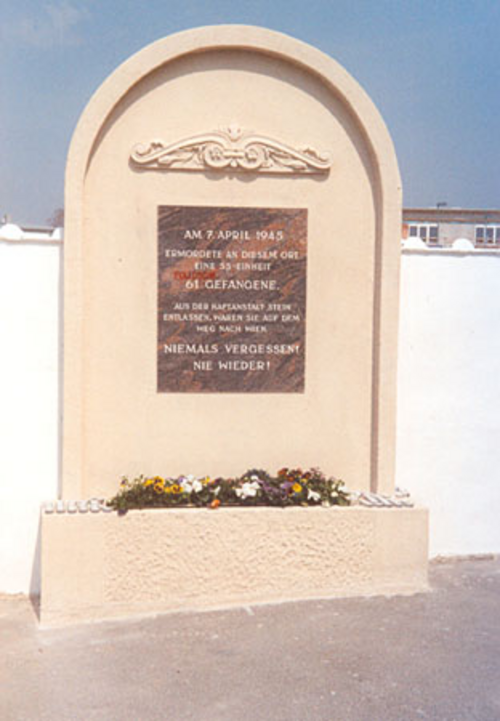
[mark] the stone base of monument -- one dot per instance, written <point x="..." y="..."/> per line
<point x="104" y="565"/>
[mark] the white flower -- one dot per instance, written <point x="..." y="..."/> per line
<point x="247" y="490"/>
<point x="313" y="495"/>
<point x="190" y="484"/>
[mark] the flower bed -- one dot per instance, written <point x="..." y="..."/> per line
<point x="289" y="487"/>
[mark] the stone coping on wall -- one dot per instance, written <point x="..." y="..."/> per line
<point x="415" y="246"/>
<point x="450" y="251"/>
<point x="98" y="565"/>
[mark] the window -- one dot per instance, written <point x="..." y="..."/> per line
<point x="428" y="232"/>
<point x="487" y="235"/>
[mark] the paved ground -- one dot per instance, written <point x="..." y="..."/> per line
<point x="429" y="656"/>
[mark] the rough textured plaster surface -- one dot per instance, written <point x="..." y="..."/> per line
<point x="105" y="565"/>
<point x="227" y="557"/>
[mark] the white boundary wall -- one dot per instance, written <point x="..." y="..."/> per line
<point x="448" y="443"/>
<point x="29" y="402"/>
<point x="448" y="453"/>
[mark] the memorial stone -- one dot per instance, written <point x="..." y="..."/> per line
<point x="231" y="297"/>
<point x="231" y="268"/>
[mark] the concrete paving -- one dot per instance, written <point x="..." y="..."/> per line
<point x="428" y="656"/>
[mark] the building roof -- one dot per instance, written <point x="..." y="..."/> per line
<point x="451" y="215"/>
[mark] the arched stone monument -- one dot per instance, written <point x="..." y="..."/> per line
<point x="237" y="118"/>
<point x="233" y="218"/>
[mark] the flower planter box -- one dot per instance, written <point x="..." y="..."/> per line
<point x="103" y="565"/>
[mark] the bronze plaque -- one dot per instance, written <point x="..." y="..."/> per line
<point x="231" y="299"/>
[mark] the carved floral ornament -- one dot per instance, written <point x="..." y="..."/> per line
<point x="230" y="150"/>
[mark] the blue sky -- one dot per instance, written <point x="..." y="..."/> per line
<point x="431" y="66"/>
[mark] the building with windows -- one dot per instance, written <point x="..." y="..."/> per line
<point x="440" y="227"/>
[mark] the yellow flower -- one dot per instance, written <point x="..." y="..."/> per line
<point x="159" y="484"/>
<point x="296" y="488"/>
<point x="168" y="489"/>
<point x="148" y="482"/>
<point x="176" y="488"/>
